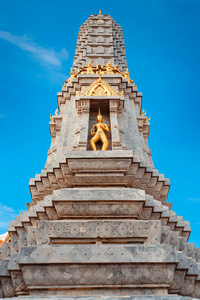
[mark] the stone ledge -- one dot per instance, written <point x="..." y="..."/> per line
<point x="103" y="297"/>
<point x="123" y="230"/>
<point x="96" y="168"/>
<point x="100" y="194"/>
<point x="100" y="154"/>
<point x="91" y="254"/>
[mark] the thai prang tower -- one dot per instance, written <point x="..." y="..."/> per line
<point x="99" y="224"/>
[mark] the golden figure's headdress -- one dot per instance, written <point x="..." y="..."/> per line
<point x="99" y="114"/>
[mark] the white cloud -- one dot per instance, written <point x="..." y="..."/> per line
<point x="194" y="199"/>
<point x="4" y="208"/>
<point x="7" y="214"/>
<point x="43" y="55"/>
<point x="3" y="225"/>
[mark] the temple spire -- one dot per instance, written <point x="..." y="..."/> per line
<point x="100" y="40"/>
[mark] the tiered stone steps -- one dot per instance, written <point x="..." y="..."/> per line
<point x="152" y="224"/>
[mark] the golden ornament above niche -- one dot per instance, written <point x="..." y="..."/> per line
<point x="108" y="69"/>
<point x="99" y="88"/>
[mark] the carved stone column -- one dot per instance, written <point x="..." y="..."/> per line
<point x="85" y="111"/>
<point x="115" y="137"/>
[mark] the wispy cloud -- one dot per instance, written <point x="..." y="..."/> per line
<point x="6" y="215"/>
<point x="194" y="199"/>
<point x="2" y="116"/>
<point x="46" y="56"/>
<point x="6" y="209"/>
<point x="3" y="225"/>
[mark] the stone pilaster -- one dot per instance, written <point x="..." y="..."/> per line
<point x="115" y="137"/>
<point x="85" y="111"/>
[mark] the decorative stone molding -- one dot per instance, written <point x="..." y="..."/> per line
<point x="99" y="88"/>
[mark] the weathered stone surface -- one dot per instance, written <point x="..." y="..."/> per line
<point x="114" y="275"/>
<point x="113" y="203"/>
<point x="106" y="230"/>
<point x="100" y="194"/>
<point x="7" y="287"/>
<point x="171" y="297"/>
<point x="90" y="266"/>
<point x="97" y="253"/>
<point x="1" y="291"/>
<point x="6" y="282"/>
<point x="4" y="268"/>
<point x="18" y="283"/>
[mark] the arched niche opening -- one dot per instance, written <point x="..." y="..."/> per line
<point x="95" y="104"/>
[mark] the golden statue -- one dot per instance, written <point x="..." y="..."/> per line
<point x="99" y="134"/>
<point x="109" y="68"/>
<point x="52" y="118"/>
<point x="147" y="119"/>
<point x="144" y="112"/>
<point x="90" y="68"/>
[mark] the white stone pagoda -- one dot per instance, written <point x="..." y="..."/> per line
<point x="99" y="224"/>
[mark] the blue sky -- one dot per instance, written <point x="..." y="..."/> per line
<point x="37" y="44"/>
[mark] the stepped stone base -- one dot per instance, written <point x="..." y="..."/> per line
<point x="71" y="270"/>
<point x="169" y="297"/>
<point x="114" y="242"/>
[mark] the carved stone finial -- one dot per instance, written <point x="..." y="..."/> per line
<point x="147" y="119"/>
<point x="109" y="68"/>
<point x="52" y="118"/>
<point x="78" y="93"/>
<point x="72" y="72"/>
<point x="89" y="68"/>
<point x="90" y="64"/>
<point x="144" y="112"/>
<point x="109" y="64"/>
<point x="126" y="73"/>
